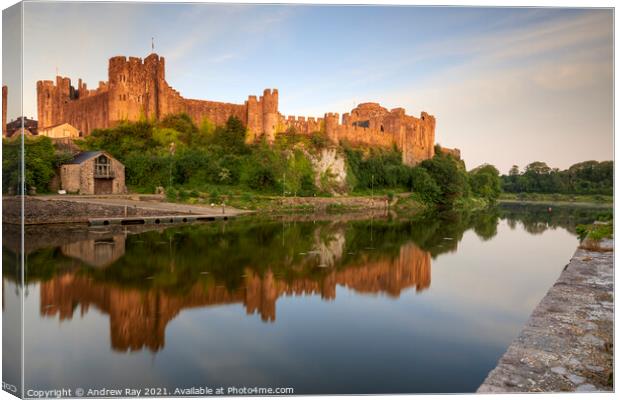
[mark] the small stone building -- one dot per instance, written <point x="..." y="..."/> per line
<point x="60" y="131"/>
<point x="93" y="172"/>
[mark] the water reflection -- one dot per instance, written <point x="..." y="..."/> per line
<point x="138" y="318"/>
<point x="143" y="278"/>
<point x="139" y="313"/>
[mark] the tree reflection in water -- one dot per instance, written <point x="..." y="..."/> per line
<point x="143" y="278"/>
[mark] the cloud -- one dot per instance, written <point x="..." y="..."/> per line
<point x="524" y="90"/>
<point x="220" y="24"/>
<point x="223" y="58"/>
<point x="528" y="80"/>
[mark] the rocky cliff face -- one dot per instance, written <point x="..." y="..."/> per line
<point x="331" y="170"/>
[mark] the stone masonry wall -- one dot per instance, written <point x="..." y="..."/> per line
<point x="369" y="124"/>
<point x="456" y="153"/>
<point x="567" y="343"/>
<point x="138" y="89"/>
<point x="54" y="211"/>
<point x="80" y="178"/>
<point x="88" y="113"/>
<point x="70" y="178"/>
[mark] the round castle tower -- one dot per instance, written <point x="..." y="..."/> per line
<point x="270" y="114"/>
<point x="331" y="126"/>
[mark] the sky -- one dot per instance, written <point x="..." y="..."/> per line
<point x="506" y="85"/>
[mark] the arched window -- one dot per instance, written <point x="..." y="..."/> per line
<point x="381" y="128"/>
<point x="103" y="168"/>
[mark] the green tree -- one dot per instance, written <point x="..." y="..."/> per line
<point x="588" y="177"/>
<point x="423" y="184"/>
<point x="231" y="137"/>
<point x="41" y="163"/>
<point x="514" y="170"/>
<point x="183" y="124"/>
<point x="485" y="182"/>
<point x="262" y="169"/>
<point x="449" y="175"/>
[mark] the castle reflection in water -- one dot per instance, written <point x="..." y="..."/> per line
<point x="143" y="277"/>
<point x="138" y="315"/>
<point x="138" y="319"/>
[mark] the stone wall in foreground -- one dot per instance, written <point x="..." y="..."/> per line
<point x="567" y="343"/>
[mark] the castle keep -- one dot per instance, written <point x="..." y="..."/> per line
<point x="137" y="88"/>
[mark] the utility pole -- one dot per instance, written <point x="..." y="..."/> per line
<point x="172" y="151"/>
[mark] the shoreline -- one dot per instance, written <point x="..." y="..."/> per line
<point x="71" y="209"/>
<point x="77" y="209"/>
<point x="567" y="342"/>
<point x="45" y="210"/>
<point x="558" y="203"/>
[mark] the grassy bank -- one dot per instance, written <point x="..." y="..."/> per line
<point x="551" y="198"/>
<point x="592" y="235"/>
<point x="246" y="199"/>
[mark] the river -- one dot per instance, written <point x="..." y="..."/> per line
<point x="331" y="304"/>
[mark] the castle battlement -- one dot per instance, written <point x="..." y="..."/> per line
<point x="137" y="88"/>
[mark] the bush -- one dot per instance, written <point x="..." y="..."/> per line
<point x="147" y="171"/>
<point x="214" y="196"/>
<point x="424" y="185"/>
<point x="378" y="169"/>
<point x="41" y="163"/>
<point x="171" y="194"/>
<point x="231" y="137"/>
<point x="319" y="140"/>
<point x="450" y="177"/>
<point x="485" y="182"/>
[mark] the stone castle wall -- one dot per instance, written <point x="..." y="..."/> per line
<point x="369" y="124"/>
<point x="301" y="125"/>
<point x="456" y="153"/>
<point x="137" y="89"/>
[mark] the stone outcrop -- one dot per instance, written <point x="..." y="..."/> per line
<point x="331" y="170"/>
<point x="138" y="89"/>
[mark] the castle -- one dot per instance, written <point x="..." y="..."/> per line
<point x="137" y="89"/>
